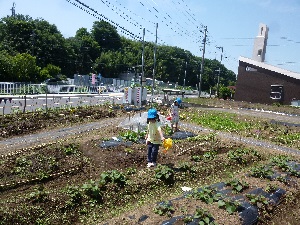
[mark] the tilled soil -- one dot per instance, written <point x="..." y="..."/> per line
<point x="94" y="160"/>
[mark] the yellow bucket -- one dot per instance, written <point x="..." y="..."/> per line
<point x="167" y="144"/>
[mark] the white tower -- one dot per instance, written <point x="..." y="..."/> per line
<point x="260" y="43"/>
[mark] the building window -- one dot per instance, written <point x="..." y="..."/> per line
<point x="276" y="92"/>
<point x="248" y="69"/>
<point x="259" y="52"/>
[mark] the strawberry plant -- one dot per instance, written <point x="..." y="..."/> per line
<point x="113" y="176"/>
<point x="164" y="208"/>
<point x="230" y="206"/>
<point x="237" y="186"/>
<point x="206" y="195"/>
<point x="75" y="195"/>
<point x="93" y="190"/>
<point x="164" y="173"/>
<point x="258" y="200"/>
<point x="70" y="149"/>
<point x="261" y="171"/>
<point x="204" y="217"/>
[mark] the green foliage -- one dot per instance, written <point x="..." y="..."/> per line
<point x="93" y="51"/>
<point x="204" y="217"/>
<point x="133" y="136"/>
<point x="130" y="171"/>
<point x="225" y="92"/>
<point x="271" y="188"/>
<point x="261" y="171"/>
<point x="22" y="166"/>
<point x="39" y="194"/>
<point x="257" y="199"/>
<point x="167" y="130"/>
<point x="93" y="190"/>
<point x="74" y="192"/>
<point x="71" y="149"/>
<point x="206" y="195"/>
<point x="196" y="158"/>
<point x="210" y="155"/>
<point x="164" y="208"/>
<point x="237" y="186"/>
<point x="240" y="155"/>
<point x="164" y="173"/>
<point x="50" y="71"/>
<point x="113" y="176"/>
<point x="230" y="206"/>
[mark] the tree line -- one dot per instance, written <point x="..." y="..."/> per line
<point x="33" y="50"/>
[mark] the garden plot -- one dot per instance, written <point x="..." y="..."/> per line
<point x="76" y="181"/>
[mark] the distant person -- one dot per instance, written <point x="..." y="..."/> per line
<point x="154" y="137"/>
<point x="174" y="113"/>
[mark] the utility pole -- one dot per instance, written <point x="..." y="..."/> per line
<point x="219" y="70"/>
<point x="154" y="63"/>
<point x="184" y="74"/>
<point x="202" y="63"/>
<point x="143" y="61"/>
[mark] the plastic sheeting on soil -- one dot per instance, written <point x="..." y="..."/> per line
<point x="248" y="212"/>
<point x="138" y="122"/>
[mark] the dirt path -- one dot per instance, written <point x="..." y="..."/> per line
<point x="9" y="145"/>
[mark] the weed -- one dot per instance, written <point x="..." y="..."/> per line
<point x="39" y="194"/>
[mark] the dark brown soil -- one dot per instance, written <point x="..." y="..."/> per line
<point x="33" y="181"/>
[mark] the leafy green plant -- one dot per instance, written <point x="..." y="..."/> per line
<point x="258" y="200"/>
<point x="75" y="195"/>
<point x="39" y="194"/>
<point x="230" y="206"/>
<point x="204" y="217"/>
<point x="130" y="170"/>
<point x="71" y="149"/>
<point x="271" y="188"/>
<point x="210" y="155"/>
<point x="206" y="195"/>
<point x="167" y="129"/>
<point x="93" y="190"/>
<point x="133" y="136"/>
<point x="239" y="155"/>
<point x="22" y="165"/>
<point x="113" y="176"/>
<point x="237" y="186"/>
<point x="128" y="150"/>
<point x="164" y="173"/>
<point x="164" y="208"/>
<point x="196" y="158"/>
<point x="261" y="171"/>
<point x="42" y="175"/>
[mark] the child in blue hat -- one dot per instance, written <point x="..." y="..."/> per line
<point x="154" y="137"/>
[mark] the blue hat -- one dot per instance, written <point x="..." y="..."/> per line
<point x="152" y="113"/>
<point x="178" y="100"/>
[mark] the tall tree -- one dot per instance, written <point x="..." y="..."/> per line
<point x="106" y="35"/>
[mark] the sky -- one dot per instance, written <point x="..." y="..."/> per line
<point x="231" y="24"/>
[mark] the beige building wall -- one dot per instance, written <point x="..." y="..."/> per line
<point x="260" y="43"/>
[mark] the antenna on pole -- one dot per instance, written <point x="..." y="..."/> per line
<point x="13" y="11"/>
